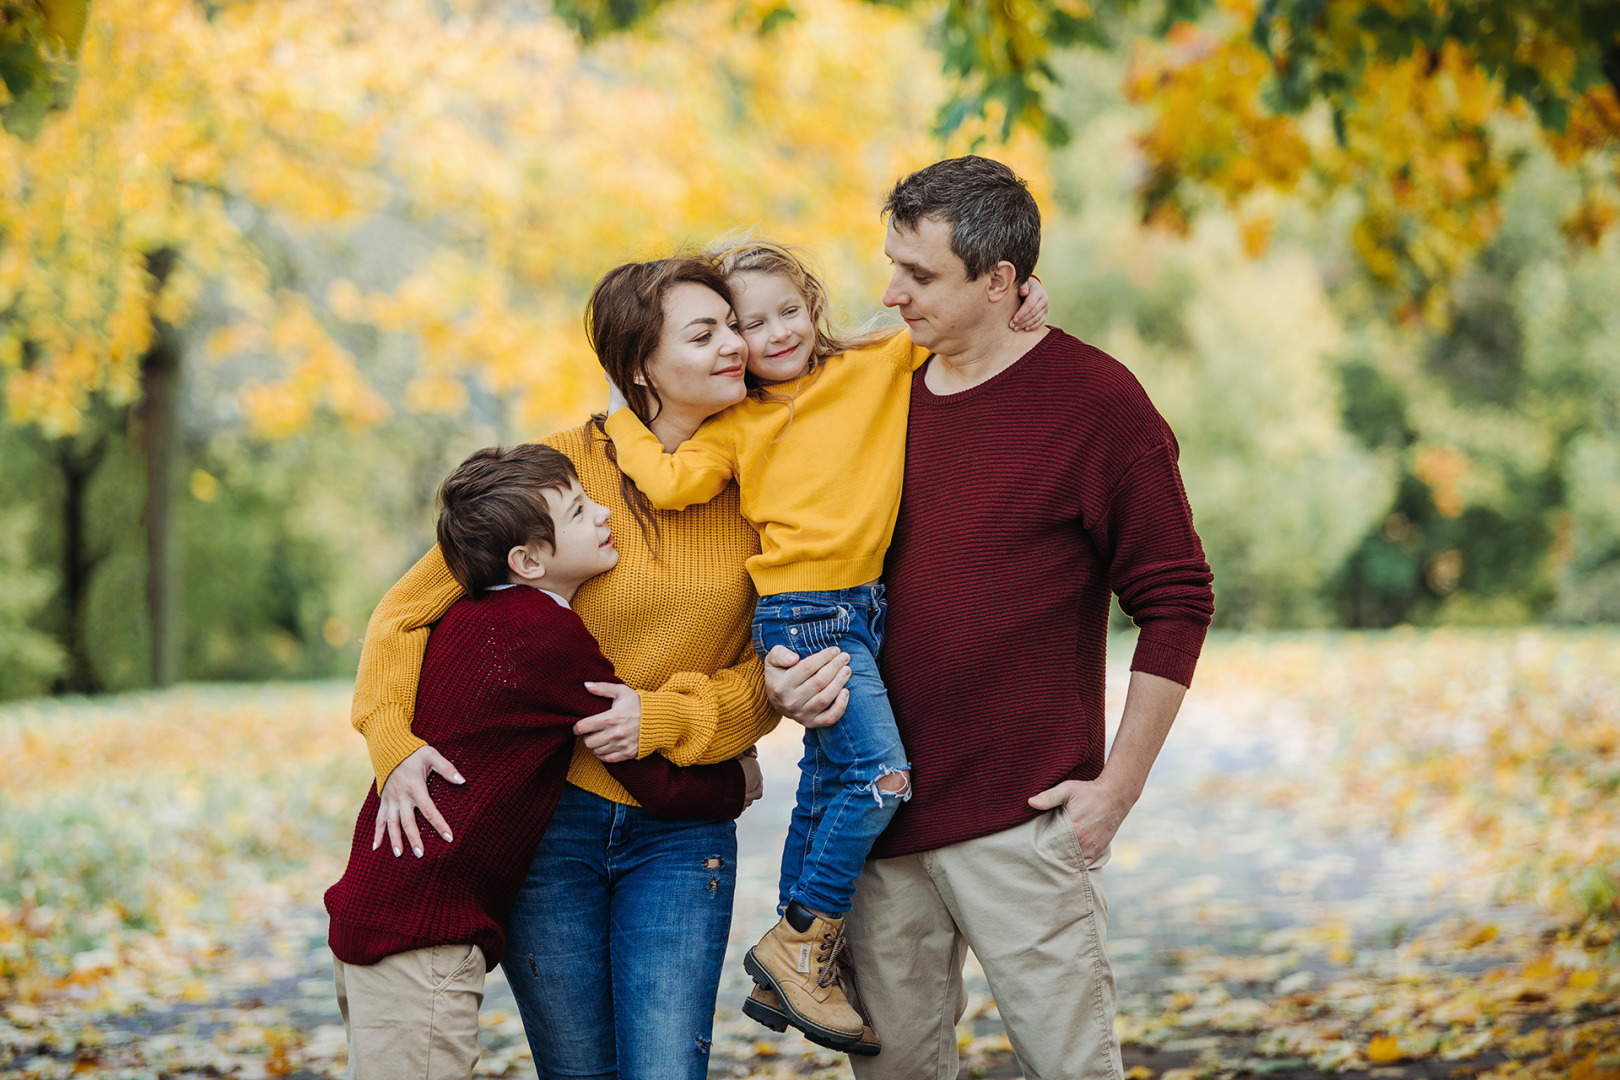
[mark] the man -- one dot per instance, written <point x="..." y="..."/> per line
<point x="1039" y="479"/>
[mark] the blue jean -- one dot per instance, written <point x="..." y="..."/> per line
<point x="615" y="945"/>
<point x="839" y="810"/>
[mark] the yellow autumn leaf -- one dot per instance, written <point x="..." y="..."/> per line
<point x="1384" y="1049"/>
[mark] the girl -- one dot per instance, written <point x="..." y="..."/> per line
<point x="817" y="451"/>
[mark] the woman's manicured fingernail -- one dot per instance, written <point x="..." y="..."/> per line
<point x="418" y="852"/>
<point x="457" y="778"/>
<point x="374" y="845"/>
<point x="397" y="853"/>
<point x="447" y="835"/>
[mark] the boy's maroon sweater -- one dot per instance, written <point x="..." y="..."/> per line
<point x="502" y="686"/>
<point x="1027" y="500"/>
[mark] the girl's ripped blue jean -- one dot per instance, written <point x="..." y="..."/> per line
<point x="840" y="810"/>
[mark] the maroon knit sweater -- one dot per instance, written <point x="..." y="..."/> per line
<point x="502" y="686"/>
<point x="1027" y="499"/>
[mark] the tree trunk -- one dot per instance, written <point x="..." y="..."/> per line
<point x="78" y="466"/>
<point x="160" y="437"/>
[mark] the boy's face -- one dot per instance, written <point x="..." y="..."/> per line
<point x="584" y="543"/>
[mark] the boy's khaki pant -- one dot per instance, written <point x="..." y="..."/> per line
<point x="1032" y="912"/>
<point x="413" y="1015"/>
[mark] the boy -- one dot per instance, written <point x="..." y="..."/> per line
<point x="502" y="686"/>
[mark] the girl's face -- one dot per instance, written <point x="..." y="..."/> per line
<point x="775" y="321"/>
<point x="699" y="363"/>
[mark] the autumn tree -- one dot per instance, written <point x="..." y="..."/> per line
<point x="203" y="142"/>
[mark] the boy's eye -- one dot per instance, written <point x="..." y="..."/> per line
<point x="754" y="325"/>
<point x="790" y="312"/>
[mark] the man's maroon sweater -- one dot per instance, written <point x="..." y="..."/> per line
<point x="502" y="686"/>
<point x="1027" y="499"/>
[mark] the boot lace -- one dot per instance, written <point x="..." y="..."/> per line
<point x="834" y="959"/>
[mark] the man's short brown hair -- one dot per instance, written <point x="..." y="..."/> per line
<point x="495" y="501"/>
<point x="992" y="216"/>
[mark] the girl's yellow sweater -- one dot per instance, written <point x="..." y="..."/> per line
<point x="820" y="477"/>
<point x="675" y="626"/>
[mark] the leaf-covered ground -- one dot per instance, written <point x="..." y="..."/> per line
<point x="1396" y="854"/>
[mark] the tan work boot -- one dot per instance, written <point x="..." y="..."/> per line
<point x="799" y="961"/>
<point x="766" y="1007"/>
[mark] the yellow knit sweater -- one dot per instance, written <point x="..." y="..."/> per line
<point x="820" y="478"/>
<point x="675" y="627"/>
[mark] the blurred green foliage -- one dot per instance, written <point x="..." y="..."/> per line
<point x="1345" y="468"/>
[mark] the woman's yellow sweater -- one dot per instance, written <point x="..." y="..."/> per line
<point x="675" y="626"/>
<point x="819" y="474"/>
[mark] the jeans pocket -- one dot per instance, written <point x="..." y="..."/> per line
<point x="817" y="626"/>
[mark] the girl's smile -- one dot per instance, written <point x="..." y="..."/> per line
<point x="775" y="322"/>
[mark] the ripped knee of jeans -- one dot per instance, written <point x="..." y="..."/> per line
<point x="891" y="783"/>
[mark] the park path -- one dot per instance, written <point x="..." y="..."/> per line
<point x="1258" y="926"/>
<point x="1208" y="879"/>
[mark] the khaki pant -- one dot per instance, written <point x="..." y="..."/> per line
<point x="413" y="1015"/>
<point x="1032" y="912"/>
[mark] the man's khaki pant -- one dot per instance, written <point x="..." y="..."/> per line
<point x="413" y="1015"/>
<point x="1032" y="912"/>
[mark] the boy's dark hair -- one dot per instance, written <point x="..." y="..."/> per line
<point x="991" y="214"/>
<point x="495" y="501"/>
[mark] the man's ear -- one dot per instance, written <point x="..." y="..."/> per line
<point x="1001" y="281"/>
<point x="524" y="561"/>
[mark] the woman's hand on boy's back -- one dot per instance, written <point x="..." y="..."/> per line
<point x="405" y="793"/>
<point x="615" y="733"/>
<point x="810" y="690"/>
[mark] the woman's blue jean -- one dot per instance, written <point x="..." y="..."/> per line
<point x="615" y="945"/>
<point x="840" y="810"/>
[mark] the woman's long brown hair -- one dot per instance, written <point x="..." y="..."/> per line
<point x="624" y="321"/>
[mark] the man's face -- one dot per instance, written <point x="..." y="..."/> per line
<point x="930" y="287"/>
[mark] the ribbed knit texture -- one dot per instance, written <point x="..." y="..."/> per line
<point x="502" y="686"/>
<point x="820" y="477"/>
<point x="1026" y="499"/>
<point x="675" y="627"/>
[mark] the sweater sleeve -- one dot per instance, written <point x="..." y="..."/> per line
<point x="698" y="470"/>
<point x="391" y="661"/>
<point x="551" y="683"/>
<point x="699" y="719"/>
<point x="1156" y="564"/>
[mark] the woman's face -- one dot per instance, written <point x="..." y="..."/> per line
<point x="700" y="360"/>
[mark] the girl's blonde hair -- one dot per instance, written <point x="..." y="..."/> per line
<point x="743" y="253"/>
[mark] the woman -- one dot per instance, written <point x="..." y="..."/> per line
<point x="615" y="945"/>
